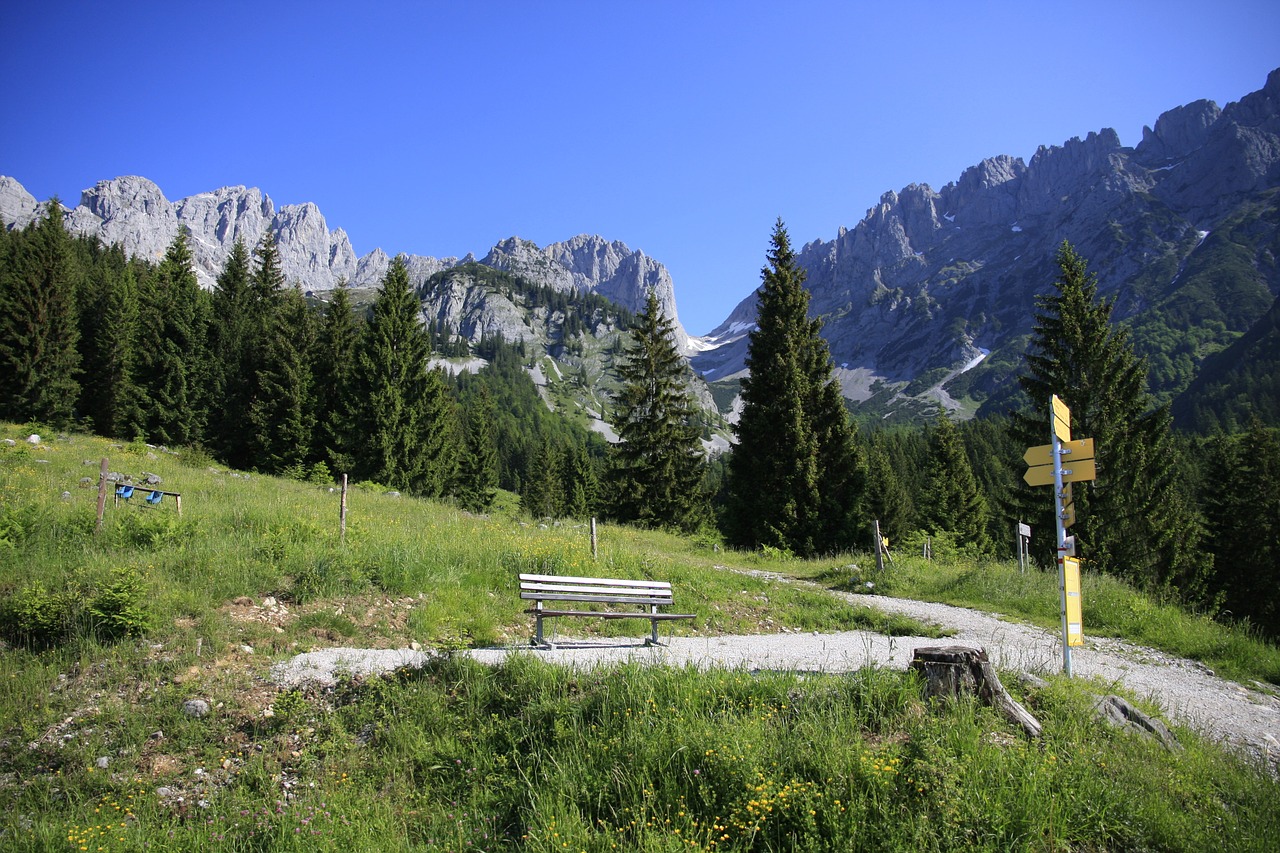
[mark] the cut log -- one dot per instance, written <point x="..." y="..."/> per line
<point x="953" y="671"/>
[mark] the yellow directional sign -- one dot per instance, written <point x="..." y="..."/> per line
<point x="1073" y="451"/>
<point x="1061" y="419"/>
<point x="1072" y="472"/>
<point x="1071" y="598"/>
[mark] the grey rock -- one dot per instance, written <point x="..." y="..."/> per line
<point x="195" y="708"/>
<point x="17" y="206"/>
<point x="1120" y="713"/>
<point x="103" y="762"/>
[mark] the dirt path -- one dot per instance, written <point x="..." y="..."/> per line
<point x="1246" y="719"/>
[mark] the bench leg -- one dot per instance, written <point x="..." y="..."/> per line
<point x="653" y="630"/>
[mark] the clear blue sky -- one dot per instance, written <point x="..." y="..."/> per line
<point x="683" y="129"/>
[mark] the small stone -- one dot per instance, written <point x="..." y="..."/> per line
<point x="33" y="439"/>
<point x="158" y="734"/>
<point x="164" y="791"/>
<point x="195" y="708"/>
<point x="103" y="762"/>
<point x="66" y="496"/>
<point x="269" y="601"/>
<point x="9" y="442"/>
<point x="248" y="650"/>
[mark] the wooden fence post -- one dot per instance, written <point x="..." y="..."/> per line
<point x="342" y="512"/>
<point x="102" y="495"/>
<point x="595" y="552"/>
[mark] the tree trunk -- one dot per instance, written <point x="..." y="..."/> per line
<point x="953" y="671"/>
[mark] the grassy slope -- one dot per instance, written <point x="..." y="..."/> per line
<point x="525" y="757"/>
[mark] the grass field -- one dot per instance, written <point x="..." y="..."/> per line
<point x="109" y="632"/>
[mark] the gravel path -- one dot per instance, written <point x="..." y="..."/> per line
<point x="1248" y="720"/>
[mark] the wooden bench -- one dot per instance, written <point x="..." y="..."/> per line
<point x="647" y="596"/>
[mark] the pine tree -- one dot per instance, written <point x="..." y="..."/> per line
<point x="544" y="493"/>
<point x="39" y="333"/>
<point x="659" y="459"/>
<point x="888" y="500"/>
<point x="955" y="504"/>
<point x="1131" y="521"/>
<point x="794" y="479"/>
<point x="231" y="357"/>
<point x="478" y="472"/>
<point x="121" y="413"/>
<point x="171" y="349"/>
<point x="405" y="411"/>
<point x="334" y="367"/>
<point x="1242" y="506"/>
<point x="282" y="415"/>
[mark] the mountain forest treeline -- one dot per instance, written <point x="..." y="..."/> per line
<point x="262" y="378"/>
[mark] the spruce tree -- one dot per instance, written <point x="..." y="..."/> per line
<point x="282" y="415"/>
<point x="1242" y="508"/>
<point x="478" y="472"/>
<point x="121" y="413"/>
<point x="334" y="364"/>
<point x="1132" y="520"/>
<point x="172" y="349"/>
<point x="39" y="332"/>
<point x="888" y="500"/>
<point x="658" y="463"/>
<point x="955" y="504"/>
<point x="795" y="480"/>
<point x="405" y="415"/>
<point x="232" y="367"/>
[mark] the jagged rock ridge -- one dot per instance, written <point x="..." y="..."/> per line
<point x="133" y="212"/>
<point x="932" y="282"/>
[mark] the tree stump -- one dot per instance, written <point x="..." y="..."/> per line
<point x="953" y="671"/>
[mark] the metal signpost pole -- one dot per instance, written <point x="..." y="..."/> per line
<point x="1056" y="454"/>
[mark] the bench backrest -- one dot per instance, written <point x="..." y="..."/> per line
<point x="602" y="590"/>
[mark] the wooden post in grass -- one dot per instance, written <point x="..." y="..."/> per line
<point x="102" y="495"/>
<point x="342" y="512"/>
<point x="595" y="545"/>
<point x="953" y="671"/>
<point x="879" y="548"/>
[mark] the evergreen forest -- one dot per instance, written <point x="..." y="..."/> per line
<point x="262" y="377"/>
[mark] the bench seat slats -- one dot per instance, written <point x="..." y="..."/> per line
<point x="649" y="595"/>
<point x="606" y="614"/>
<point x="595" y="581"/>
<point x="600" y="599"/>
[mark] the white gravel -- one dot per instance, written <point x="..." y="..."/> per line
<point x="1190" y="694"/>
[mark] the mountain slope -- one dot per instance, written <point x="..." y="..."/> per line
<point x="1181" y="230"/>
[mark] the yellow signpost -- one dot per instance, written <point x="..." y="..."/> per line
<point x="1071" y="592"/>
<point x="1059" y="464"/>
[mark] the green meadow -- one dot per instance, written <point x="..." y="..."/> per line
<point x="109" y="630"/>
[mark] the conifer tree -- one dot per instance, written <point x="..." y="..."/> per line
<point x="544" y="481"/>
<point x="659" y="459"/>
<point x="1131" y="521"/>
<point x="888" y="500"/>
<point x="282" y="415"/>
<point x="1242" y="508"/>
<point x="478" y="472"/>
<point x="955" y="504"/>
<point x="405" y="414"/>
<point x="171" y="348"/>
<point x="232" y="367"/>
<point x="120" y="414"/>
<point x="39" y="333"/>
<point x="334" y="365"/>
<point x="794" y="478"/>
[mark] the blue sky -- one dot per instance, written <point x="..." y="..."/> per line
<point x="683" y="129"/>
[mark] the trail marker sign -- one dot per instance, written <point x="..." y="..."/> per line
<point x="1060" y="463"/>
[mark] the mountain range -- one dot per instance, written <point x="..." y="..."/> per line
<point x="928" y="302"/>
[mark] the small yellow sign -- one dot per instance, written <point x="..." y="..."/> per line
<point x="1072" y="451"/>
<point x="1071" y="597"/>
<point x="1061" y="419"/>
<point x="1072" y="472"/>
